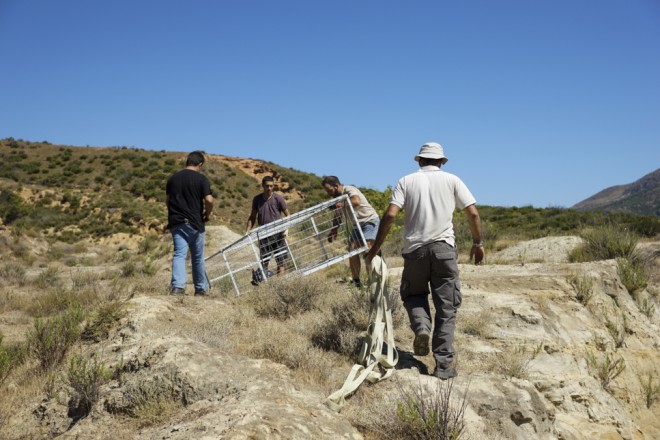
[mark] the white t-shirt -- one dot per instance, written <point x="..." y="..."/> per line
<point x="428" y="198"/>
<point x="364" y="211"/>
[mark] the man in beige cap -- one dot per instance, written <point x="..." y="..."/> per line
<point x="428" y="198"/>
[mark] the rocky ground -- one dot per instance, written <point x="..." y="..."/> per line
<point x="523" y="340"/>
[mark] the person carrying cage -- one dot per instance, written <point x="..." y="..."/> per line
<point x="266" y="208"/>
<point x="367" y="218"/>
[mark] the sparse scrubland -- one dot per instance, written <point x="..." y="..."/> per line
<point x="84" y="270"/>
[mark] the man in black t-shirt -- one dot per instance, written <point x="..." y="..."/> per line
<point x="189" y="205"/>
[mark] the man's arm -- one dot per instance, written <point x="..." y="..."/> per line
<point x="385" y="225"/>
<point x="208" y="207"/>
<point x="474" y="220"/>
<point x="251" y="220"/>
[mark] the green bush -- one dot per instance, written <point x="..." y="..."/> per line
<point x="103" y="319"/>
<point x="85" y="378"/>
<point x="632" y="272"/>
<point x="13" y="273"/>
<point x="51" y="338"/>
<point x="584" y="287"/>
<point x="605" y="243"/>
<point x="425" y="414"/>
<point x="606" y="369"/>
<point x="11" y="356"/>
<point x="287" y="297"/>
<point x="650" y="389"/>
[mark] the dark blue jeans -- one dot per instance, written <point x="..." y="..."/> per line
<point x="433" y="264"/>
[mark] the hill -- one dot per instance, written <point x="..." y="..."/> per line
<point x="72" y="193"/>
<point x="639" y="197"/>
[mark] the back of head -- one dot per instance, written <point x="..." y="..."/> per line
<point x="195" y="158"/>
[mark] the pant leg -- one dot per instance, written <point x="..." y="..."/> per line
<point x="446" y="294"/>
<point x="196" y="243"/>
<point x="179" y="238"/>
<point x="415" y="289"/>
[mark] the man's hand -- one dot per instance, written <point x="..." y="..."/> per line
<point x="370" y="255"/>
<point x="332" y="235"/>
<point x="478" y="254"/>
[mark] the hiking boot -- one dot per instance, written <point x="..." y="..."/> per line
<point x="200" y="293"/>
<point x="445" y="373"/>
<point x="421" y="343"/>
<point x="356" y="283"/>
<point x="177" y="291"/>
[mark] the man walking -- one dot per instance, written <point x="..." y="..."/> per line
<point x="366" y="215"/>
<point x="266" y="208"/>
<point x="189" y="205"/>
<point x="428" y="198"/>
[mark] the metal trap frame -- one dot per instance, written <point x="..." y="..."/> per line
<point x="302" y="243"/>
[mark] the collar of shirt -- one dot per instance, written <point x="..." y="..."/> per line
<point x="429" y="168"/>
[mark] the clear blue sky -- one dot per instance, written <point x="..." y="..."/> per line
<point x="536" y="102"/>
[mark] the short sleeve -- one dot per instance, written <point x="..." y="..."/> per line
<point x="398" y="194"/>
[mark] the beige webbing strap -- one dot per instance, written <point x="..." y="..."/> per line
<point x="371" y="351"/>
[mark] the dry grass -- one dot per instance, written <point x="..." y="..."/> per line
<point x="513" y="361"/>
<point x="475" y="324"/>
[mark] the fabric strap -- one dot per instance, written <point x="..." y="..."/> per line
<point x="373" y="365"/>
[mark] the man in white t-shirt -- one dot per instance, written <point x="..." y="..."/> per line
<point x="428" y="198"/>
<point x="367" y="218"/>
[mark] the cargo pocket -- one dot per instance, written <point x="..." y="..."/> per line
<point x="458" y="297"/>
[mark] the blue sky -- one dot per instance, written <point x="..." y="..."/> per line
<point x="539" y="103"/>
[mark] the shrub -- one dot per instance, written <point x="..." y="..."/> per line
<point x="584" y="287"/>
<point x="103" y="320"/>
<point x="604" y="243"/>
<point x="606" y="369"/>
<point x="286" y="297"/>
<point x="632" y="272"/>
<point x="423" y="413"/>
<point x="51" y="339"/>
<point x="514" y="361"/>
<point x="13" y="273"/>
<point x="47" y="278"/>
<point x="646" y="307"/>
<point x="347" y="321"/>
<point x="650" y="389"/>
<point x="475" y="324"/>
<point x="617" y="327"/>
<point x="86" y="378"/>
<point x="11" y="356"/>
<point x="151" y="402"/>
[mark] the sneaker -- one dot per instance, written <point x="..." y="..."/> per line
<point x="421" y="343"/>
<point x="177" y="291"/>
<point x="445" y="373"/>
<point x="200" y="293"/>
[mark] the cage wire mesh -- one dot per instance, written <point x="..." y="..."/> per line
<point x="302" y="243"/>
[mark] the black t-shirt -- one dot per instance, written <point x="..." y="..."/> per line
<point x="186" y="190"/>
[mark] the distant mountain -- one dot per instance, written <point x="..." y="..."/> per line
<point x="639" y="197"/>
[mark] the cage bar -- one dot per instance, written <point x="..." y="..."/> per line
<point x="299" y="243"/>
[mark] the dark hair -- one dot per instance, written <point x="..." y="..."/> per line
<point x="425" y="161"/>
<point x="267" y="179"/>
<point x="195" y="158"/>
<point x="330" y="180"/>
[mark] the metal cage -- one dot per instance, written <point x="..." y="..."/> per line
<point x="302" y="243"/>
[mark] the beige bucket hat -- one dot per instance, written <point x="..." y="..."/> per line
<point x="431" y="150"/>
